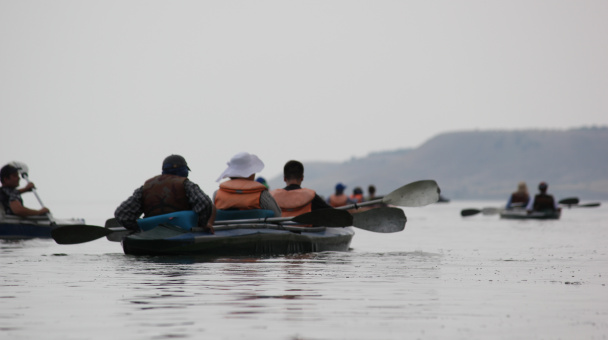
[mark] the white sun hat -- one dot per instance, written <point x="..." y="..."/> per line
<point x="242" y="164"/>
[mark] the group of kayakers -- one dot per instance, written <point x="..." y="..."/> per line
<point x="539" y="202"/>
<point x="340" y="199"/>
<point x="172" y="191"/>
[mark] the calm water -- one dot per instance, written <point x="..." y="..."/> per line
<point x="444" y="277"/>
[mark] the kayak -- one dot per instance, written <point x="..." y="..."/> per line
<point x="22" y="228"/>
<point x="238" y="239"/>
<point x="522" y="214"/>
<point x="173" y="234"/>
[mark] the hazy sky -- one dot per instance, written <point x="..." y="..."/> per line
<point x="94" y="94"/>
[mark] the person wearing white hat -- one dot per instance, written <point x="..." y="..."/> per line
<point x="241" y="191"/>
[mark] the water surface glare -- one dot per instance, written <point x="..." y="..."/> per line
<point x="443" y="277"/>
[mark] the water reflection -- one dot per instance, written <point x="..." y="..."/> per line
<point x="438" y="279"/>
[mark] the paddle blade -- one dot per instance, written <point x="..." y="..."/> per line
<point x="589" y="205"/>
<point x="469" y="212"/>
<point x="380" y="220"/>
<point x="78" y="233"/>
<point x="569" y="201"/>
<point x="326" y="217"/>
<point x="415" y="194"/>
<point x="118" y="231"/>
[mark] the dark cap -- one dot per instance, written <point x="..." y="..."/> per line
<point x="174" y="162"/>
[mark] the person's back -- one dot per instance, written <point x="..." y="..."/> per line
<point x="239" y="194"/>
<point x="164" y="194"/>
<point x="169" y="192"/>
<point x="357" y="195"/>
<point x="542" y="201"/>
<point x="371" y="190"/>
<point x="241" y="191"/>
<point x="293" y="199"/>
<point x="339" y="198"/>
<point x="520" y="197"/>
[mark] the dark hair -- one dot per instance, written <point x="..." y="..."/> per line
<point x="371" y="189"/>
<point x="6" y="171"/>
<point x="293" y="170"/>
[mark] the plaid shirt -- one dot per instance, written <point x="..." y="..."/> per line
<point x="130" y="210"/>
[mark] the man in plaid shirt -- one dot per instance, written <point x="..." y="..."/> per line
<point x="169" y="192"/>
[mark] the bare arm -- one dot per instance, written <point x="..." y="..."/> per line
<point x="18" y="209"/>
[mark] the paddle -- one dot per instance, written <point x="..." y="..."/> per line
<point x="380" y="220"/>
<point x="573" y="202"/>
<point x="119" y="232"/>
<point x="23" y="171"/>
<point x="324" y="217"/>
<point x="568" y="201"/>
<point x="588" y="205"/>
<point x="415" y="194"/>
<point x="74" y="234"/>
<point x="484" y="211"/>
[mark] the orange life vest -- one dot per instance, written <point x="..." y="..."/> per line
<point x="239" y="194"/>
<point x="357" y="197"/>
<point x="294" y="202"/>
<point x="338" y="201"/>
<point x="164" y="194"/>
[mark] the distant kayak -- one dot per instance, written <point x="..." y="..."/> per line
<point x="23" y="228"/>
<point x="522" y="214"/>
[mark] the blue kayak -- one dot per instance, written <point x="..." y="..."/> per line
<point x="175" y="234"/>
<point x="23" y="228"/>
<point x="263" y="239"/>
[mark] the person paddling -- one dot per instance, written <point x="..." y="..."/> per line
<point x="542" y="201"/>
<point x="169" y="192"/>
<point x="293" y="199"/>
<point x="10" y="196"/>
<point x="520" y="197"/>
<point x="241" y="191"/>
